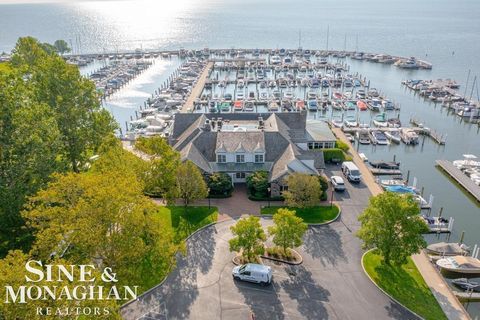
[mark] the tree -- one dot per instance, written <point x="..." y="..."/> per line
<point x="257" y="184"/>
<point x="303" y="190"/>
<point x="220" y="183"/>
<point x="288" y="230"/>
<point x="249" y="238"/>
<point x="29" y="146"/>
<point x="161" y="177"/>
<point x="391" y="224"/>
<point x="190" y="183"/>
<point x="82" y="122"/>
<point x="61" y="46"/>
<point x="102" y="218"/>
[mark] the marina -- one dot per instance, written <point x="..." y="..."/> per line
<point x="433" y="53"/>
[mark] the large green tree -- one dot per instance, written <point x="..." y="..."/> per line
<point x="303" y="190"/>
<point x="190" y="183"/>
<point x="161" y="177"/>
<point x="61" y="46"/>
<point x="391" y="224"/>
<point x="50" y="121"/>
<point x="248" y="238"/>
<point x="82" y="122"/>
<point x="288" y="230"/>
<point x="103" y="218"/>
<point x="30" y="142"/>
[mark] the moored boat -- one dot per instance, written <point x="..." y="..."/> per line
<point x="460" y="264"/>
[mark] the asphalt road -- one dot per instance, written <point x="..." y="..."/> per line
<point x="329" y="284"/>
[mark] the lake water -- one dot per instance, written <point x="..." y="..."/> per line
<point x="446" y="33"/>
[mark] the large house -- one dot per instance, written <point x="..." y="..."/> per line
<point x="242" y="143"/>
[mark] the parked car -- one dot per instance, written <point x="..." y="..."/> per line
<point x="351" y="171"/>
<point x="337" y="183"/>
<point x="253" y="272"/>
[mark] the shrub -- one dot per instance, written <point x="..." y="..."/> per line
<point x="339" y="144"/>
<point x="257" y="184"/>
<point x="324" y="186"/>
<point x="333" y="155"/>
<point x="220" y="185"/>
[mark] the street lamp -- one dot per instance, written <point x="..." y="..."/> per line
<point x="208" y="195"/>
<point x="331" y="197"/>
<point x="268" y="189"/>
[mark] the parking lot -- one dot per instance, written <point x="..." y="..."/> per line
<point x="329" y="284"/>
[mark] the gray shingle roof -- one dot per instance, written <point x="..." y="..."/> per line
<point x="277" y="139"/>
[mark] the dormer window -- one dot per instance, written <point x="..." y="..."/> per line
<point x="259" y="158"/>
<point x="240" y="158"/>
<point x="221" y="158"/>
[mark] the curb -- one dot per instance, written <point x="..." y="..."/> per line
<point x="164" y="279"/>
<point x="285" y="261"/>
<point x="269" y="216"/>
<point x="384" y="292"/>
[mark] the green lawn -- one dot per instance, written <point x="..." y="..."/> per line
<point x="186" y="222"/>
<point x="405" y="284"/>
<point x="317" y="214"/>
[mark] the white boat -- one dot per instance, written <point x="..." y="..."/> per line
<point x="380" y="120"/>
<point x="447" y="249"/>
<point x="378" y="137"/>
<point x="363" y="137"/>
<point x="350" y="121"/>
<point x="393" y="135"/>
<point x="467" y="162"/>
<point x="409" y="136"/>
<point x="363" y="157"/>
<point x="460" y="264"/>
<point x="337" y="123"/>
<point x="273" y="106"/>
<point x="407" y="63"/>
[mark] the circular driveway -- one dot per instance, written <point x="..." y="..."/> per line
<point x="329" y="284"/>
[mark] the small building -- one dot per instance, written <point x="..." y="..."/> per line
<point x="242" y="143"/>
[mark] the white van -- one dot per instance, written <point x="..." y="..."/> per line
<point x="252" y="272"/>
<point x="351" y="171"/>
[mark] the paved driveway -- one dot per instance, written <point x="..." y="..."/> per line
<point x="330" y="284"/>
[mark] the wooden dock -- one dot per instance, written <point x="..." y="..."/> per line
<point x="467" y="296"/>
<point x="460" y="178"/>
<point x="188" y="106"/>
<point x="385" y="172"/>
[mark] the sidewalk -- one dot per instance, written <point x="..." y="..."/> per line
<point x="450" y="305"/>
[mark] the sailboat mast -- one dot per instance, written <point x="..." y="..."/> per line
<point x="328" y="31"/>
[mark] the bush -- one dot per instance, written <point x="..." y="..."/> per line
<point x="220" y="185"/>
<point x="324" y="186"/>
<point x="277" y="253"/>
<point x="257" y="185"/>
<point x="339" y="144"/>
<point x="277" y="198"/>
<point x="333" y="155"/>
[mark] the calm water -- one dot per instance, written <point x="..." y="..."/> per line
<point x="444" y="32"/>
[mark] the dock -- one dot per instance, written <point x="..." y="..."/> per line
<point x="460" y="178"/>
<point x="467" y="296"/>
<point x="385" y="172"/>
<point x="188" y="106"/>
<point x="448" y="301"/>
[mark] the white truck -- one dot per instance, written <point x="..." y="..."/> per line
<point x="351" y="171"/>
<point x="252" y="272"/>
